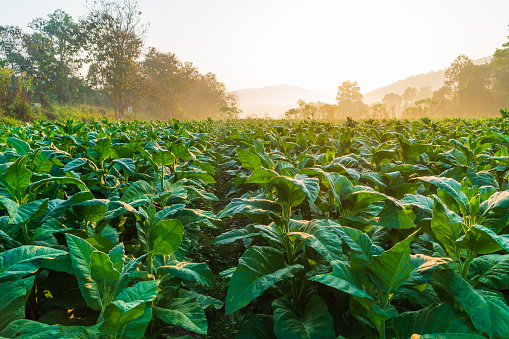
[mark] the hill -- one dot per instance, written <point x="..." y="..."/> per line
<point x="435" y="79"/>
<point x="275" y="100"/>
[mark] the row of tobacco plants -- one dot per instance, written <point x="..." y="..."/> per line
<point x="355" y="229"/>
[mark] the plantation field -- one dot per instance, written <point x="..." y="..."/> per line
<point x="255" y="229"/>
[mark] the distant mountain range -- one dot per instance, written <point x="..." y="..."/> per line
<point x="275" y="100"/>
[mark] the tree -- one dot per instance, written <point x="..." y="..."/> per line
<point x="349" y="99"/>
<point x="409" y="95"/>
<point x="392" y="101"/>
<point x="424" y="92"/>
<point x="115" y="37"/>
<point x="62" y="40"/>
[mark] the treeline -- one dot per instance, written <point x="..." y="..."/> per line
<point x="101" y="60"/>
<point x="469" y="90"/>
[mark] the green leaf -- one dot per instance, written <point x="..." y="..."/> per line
<point x="81" y="253"/>
<point x="292" y="191"/>
<point x="259" y="326"/>
<point x="341" y="278"/>
<point x="166" y="236"/>
<point x="20" y="261"/>
<point x="394" y="216"/>
<point x="315" y="322"/>
<point x="487" y="310"/>
<point x="261" y="176"/>
<point x="119" y="313"/>
<point x="58" y="180"/>
<point x="92" y="210"/>
<point x="12" y="303"/>
<point x="29" y="329"/>
<point x="249" y="160"/>
<point x="482" y="240"/>
<point x="17" y="176"/>
<point x="259" y="268"/>
<point x="184" y="312"/>
<point x="495" y="211"/>
<point x="145" y="291"/>
<point x="434" y="319"/>
<point x="447" y="226"/>
<point x="198" y="174"/>
<point x="321" y="236"/>
<point x="102" y="270"/>
<point x="139" y="190"/>
<point x="20" y="214"/>
<point x="451" y="187"/>
<point x="198" y="273"/>
<point x="491" y="271"/>
<point x="127" y="164"/>
<point x="103" y="147"/>
<point x="390" y="269"/>
<point x="360" y="245"/>
<point x="21" y="147"/>
<point x="251" y="207"/>
<point x="235" y="234"/>
<point x="75" y="164"/>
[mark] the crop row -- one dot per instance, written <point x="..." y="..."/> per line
<point x="370" y="229"/>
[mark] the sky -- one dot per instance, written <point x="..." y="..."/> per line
<point x="312" y="44"/>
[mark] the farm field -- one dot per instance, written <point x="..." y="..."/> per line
<point x="255" y="229"/>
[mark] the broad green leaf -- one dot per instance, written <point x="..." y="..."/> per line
<point x="390" y="269"/>
<point x="137" y="327"/>
<point x="102" y="270"/>
<point x="184" y="312"/>
<point x="315" y="322"/>
<point x="166" y="236"/>
<point x="487" y="310"/>
<point x="394" y="216"/>
<point x="422" y="269"/>
<point x="119" y="313"/>
<point x="21" y="146"/>
<point x="198" y="174"/>
<point x="23" y="260"/>
<point x="205" y="300"/>
<point x="261" y="176"/>
<point x="145" y="291"/>
<point x="81" y="252"/>
<point x="75" y="164"/>
<point x="251" y="207"/>
<point x="495" y="211"/>
<point x="249" y="160"/>
<point x="259" y="268"/>
<point x="490" y="271"/>
<point x="235" y="234"/>
<point x="451" y="187"/>
<point x="293" y="191"/>
<point x="17" y="176"/>
<point x="91" y="210"/>
<point x="127" y="164"/>
<point x="20" y="214"/>
<point x="360" y="245"/>
<point x="29" y="329"/>
<point x="483" y="240"/>
<point x="434" y="319"/>
<point x="447" y="226"/>
<point x="58" y="180"/>
<point x="12" y="303"/>
<point x="321" y="236"/>
<point x="341" y="278"/>
<point x="198" y="273"/>
<point x="139" y="190"/>
<point x="259" y="326"/>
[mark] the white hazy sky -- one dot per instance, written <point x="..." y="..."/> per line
<point x="313" y="44"/>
